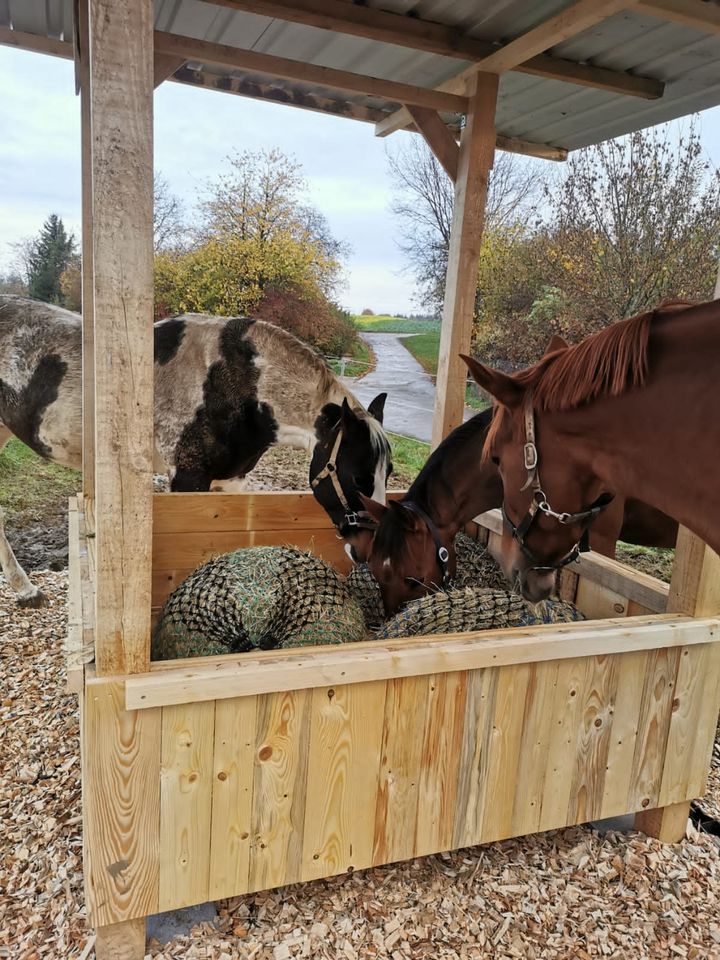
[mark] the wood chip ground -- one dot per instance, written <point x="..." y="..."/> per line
<point x="567" y="894"/>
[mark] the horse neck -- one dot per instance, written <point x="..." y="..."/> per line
<point x="455" y="485"/>
<point x="659" y="443"/>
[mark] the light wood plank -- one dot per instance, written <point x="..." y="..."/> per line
<point x="592" y="741"/>
<point x="668" y="824"/>
<point x="695" y="585"/>
<point x="655" y="711"/>
<point x="268" y="65"/>
<point x="88" y="279"/>
<point x="280" y="783"/>
<point x="477" y="149"/>
<point x="438" y="137"/>
<point x="692" y="725"/>
<point x="474" y="757"/>
<point x="353" y="663"/>
<point x="566" y="714"/>
<point x="121" y="69"/>
<point x="164" y="67"/>
<point x="232" y="796"/>
<point x="396" y="813"/>
<point x="440" y="761"/>
<point x="598" y="602"/>
<point x="121" y="941"/>
<point x="505" y="742"/>
<point x="121" y="806"/>
<point x="185" y="804"/>
<point x="537" y="731"/>
<point x="623" y="736"/>
<point x="74" y="641"/>
<point x="38" y="44"/>
<point x="343" y="774"/>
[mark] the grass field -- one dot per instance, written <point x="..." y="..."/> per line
<point x="387" y="324"/>
<point x="409" y="458"/>
<point x="28" y="483"/>
<point x="425" y="348"/>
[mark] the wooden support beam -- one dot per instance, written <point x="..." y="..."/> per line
<point x="695" y="583"/>
<point x="438" y="138"/>
<point x="667" y="824"/>
<point x="417" y="34"/>
<point x="267" y="65"/>
<point x="37" y="44"/>
<point x="121" y="941"/>
<point x="690" y="13"/>
<point x="579" y="16"/>
<point x="256" y="89"/>
<point x="88" y="281"/>
<point x="477" y="150"/>
<point x="165" y="66"/>
<point x="121" y="75"/>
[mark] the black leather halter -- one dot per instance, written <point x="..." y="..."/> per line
<point x="539" y="503"/>
<point x="443" y="556"/>
<point x="352" y="520"/>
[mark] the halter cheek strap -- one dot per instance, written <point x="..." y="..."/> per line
<point x="442" y="552"/>
<point x="357" y="519"/>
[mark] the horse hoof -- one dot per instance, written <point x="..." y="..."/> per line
<point x="35" y="600"/>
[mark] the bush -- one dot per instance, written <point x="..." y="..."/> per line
<point x="313" y="319"/>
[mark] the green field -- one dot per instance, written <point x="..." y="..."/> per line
<point x="425" y="348"/>
<point x="362" y="363"/>
<point x="386" y="324"/>
<point x="28" y="483"/>
<point x="409" y="458"/>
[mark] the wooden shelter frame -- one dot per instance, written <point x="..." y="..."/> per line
<point x="211" y="778"/>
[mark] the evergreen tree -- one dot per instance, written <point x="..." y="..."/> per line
<point x="49" y="256"/>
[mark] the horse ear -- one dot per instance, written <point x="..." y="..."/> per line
<point x="377" y="407"/>
<point x="556" y="343"/>
<point x="505" y="390"/>
<point x="376" y="510"/>
<point x="347" y="414"/>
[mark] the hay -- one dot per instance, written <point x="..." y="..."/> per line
<point x="259" y="597"/>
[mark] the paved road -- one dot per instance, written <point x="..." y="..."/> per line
<point x="411" y="392"/>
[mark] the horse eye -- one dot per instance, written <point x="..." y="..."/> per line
<point x="496" y="461"/>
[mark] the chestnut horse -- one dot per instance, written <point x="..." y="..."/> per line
<point x="455" y="485"/>
<point x="626" y="413"/>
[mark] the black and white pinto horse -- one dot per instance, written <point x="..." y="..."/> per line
<point x="225" y="391"/>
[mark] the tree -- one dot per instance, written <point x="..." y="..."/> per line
<point x="47" y="258"/>
<point x="169" y="229"/>
<point x="635" y="221"/>
<point x="423" y="205"/>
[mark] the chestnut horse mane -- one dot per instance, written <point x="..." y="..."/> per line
<point x="605" y="364"/>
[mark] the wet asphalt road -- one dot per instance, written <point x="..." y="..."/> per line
<point x="411" y="392"/>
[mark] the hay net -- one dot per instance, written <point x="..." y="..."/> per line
<point x="257" y="598"/>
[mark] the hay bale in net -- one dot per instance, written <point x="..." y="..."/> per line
<point x="464" y="609"/>
<point x="259" y="597"/>
<point x="476" y="566"/>
<point x="366" y="590"/>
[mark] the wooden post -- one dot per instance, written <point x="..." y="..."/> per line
<point x="695" y="592"/>
<point x="88" y="346"/>
<point x="121" y="149"/>
<point x="477" y="148"/>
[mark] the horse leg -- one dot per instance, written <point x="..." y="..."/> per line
<point x="27" y="594"/>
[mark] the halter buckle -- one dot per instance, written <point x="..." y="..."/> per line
<point x="352" y="519"/>
<point x="530" y="455"/>
<point x="443" y="554"/>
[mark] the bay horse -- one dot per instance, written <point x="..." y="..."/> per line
<point x="226" y="389"/>
<point x="628" y="412"/>
<point x="456" y="484"/>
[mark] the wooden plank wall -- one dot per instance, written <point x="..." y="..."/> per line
<point x="266" y="790"/>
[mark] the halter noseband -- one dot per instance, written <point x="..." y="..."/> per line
<point x="539" y="503"/>
<point x="442" y="552"/>
<point x="353" y="519"/>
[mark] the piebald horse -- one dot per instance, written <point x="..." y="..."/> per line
<point x="225" y="391"/>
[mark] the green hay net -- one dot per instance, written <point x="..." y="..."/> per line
<point x="269" y="597"/>
<point x="259" y="597"/>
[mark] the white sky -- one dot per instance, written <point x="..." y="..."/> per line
<point x="345" y="165"/>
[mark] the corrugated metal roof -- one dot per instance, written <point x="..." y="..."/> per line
<point x="531" y="108"/>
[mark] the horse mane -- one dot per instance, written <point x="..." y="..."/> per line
<point x="605" y="364"/>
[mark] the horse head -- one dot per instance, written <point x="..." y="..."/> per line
<point x="352" y="457"/>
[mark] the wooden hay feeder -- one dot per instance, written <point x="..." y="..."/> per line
<point x="211" y="778"/>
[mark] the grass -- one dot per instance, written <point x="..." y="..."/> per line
<point x="657" y="561"/>
<point x="363" y="361"/>
<point x="28" y="483"/>
<point x="425" y="348"/>
<point x="409" y="458"/>
<point x="386" y="324"/>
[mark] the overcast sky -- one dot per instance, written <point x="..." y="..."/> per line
<point x="345" y="165"/>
